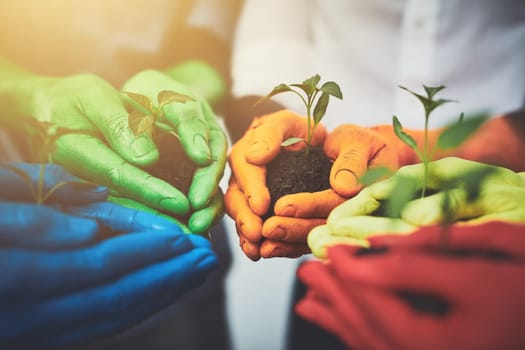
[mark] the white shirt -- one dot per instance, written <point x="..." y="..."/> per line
<point x="474" y="47"/>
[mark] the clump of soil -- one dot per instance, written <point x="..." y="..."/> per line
<point x="173" y="165"/>
<point x="294" y="172"/>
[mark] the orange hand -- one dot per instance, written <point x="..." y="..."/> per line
<point x="356" y="149"/>
<point x="247" y="197"/>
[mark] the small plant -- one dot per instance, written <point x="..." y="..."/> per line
<point x="450" y="138"/>
<point x="316" y="105"/>
<point x="43" y="136"/>
<point x="143" y="121"/>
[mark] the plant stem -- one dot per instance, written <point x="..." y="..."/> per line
<point x="425" y="157"/>
<point x="309" y="131"/>
<point x="40" y="187"/>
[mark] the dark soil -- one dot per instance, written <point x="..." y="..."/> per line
<point x="294" y="172"/>
<point x="173" y="165"/>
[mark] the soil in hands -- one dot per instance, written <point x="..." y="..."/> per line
<point x="294" y="172"/>
<point x="173" y="166"/>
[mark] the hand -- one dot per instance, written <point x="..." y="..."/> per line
<point x="247" y="198"/>
<point x="501" y="197"/>
<point x="94" y="285"/>
<point x="105" y="150"/>
<point x="408" y="293"/>
<point x="357" y="149"/>
<point x="202" y="139"/>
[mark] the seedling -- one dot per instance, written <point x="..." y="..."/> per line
<point x="450" y="138"/>
<point x="43" y="136"/>
<point x="315" y="98"/>
<point x="143" y="120"/>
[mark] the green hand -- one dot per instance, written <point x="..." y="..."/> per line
<point x="201" y="137"/>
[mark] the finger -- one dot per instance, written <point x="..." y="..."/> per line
<point x="91" y="159"/>
<point x="337" y="298"/>
<point x="409" y="271"/>
<point x="321" y="238"/>
<point x="251" y="179"/>
<point x="314" y="308"/>
<point x="308" y="205"/>
<point x="192" y="129"/>
<point x="267" y="133"/>
<point x="363" y="227"/>
<point x="111" y="118"/>
<point x="247" y="223"/>
<point x="40" y="227"/>
<point x="202" y="220"/>
<point x="78" y="269"/>
<point x="495" y="236"/>
<point x="363" y="204"/>
<point x="249" y="248"/>
<point x="130" y="203"/>
<point x="352" y="147"/>
<point x="125" y="219"/>
<point x="20" y="183"/>
<point x="273" y="249"/>
<point x="292" y="230"/>
<point x="113" y="300"/>
<point x="206" y="179"/>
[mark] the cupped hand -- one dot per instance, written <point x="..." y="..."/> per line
<point x="500" y="197"/>
<point x="201" y="137"/>
<point x="95" y="284"/>
<point x="410" y="292"/>
<point x="247" y="199"/>
<point x="357" y="149"/>
<point x="101" y="148"/>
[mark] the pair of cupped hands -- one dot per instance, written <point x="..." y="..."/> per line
<point x="102" y="148"/>
<point x="311" y="222"/>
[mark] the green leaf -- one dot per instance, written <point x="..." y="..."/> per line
<point x="167" y="96"/>
<point x="403" y="136"/>
<point x="434" y="104"/>
<point x="312" y="81"/>
<point x="134" y="119"/>
<point x="331" y="88"/>
<point x="145" y="126"/>
<point x="473" y="180"/>
<point x="433" y="90"/>
<point x="320" y="108"/>
<point x="372" y="175"/>
<point x="142" y="100"/>
<point x="425" y="101"/>
<point x="292" y="141"/>
<point x="454" y="135"/>
<point x="279" y="89"/>
<point x="404" y="192"/>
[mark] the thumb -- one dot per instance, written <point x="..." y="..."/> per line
<point x="111" y="118"/>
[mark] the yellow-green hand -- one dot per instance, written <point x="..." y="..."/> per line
<point x="501" y="197"/>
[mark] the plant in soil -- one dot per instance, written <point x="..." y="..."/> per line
<point x="173" y="165"/>
<point x="42" y="138"/>
<point x="451" y="137"/>
<point x="306" y="170"/>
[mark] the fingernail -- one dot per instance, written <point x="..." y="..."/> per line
<point x="275" y="252"/>
<point x="289" y="210"/>
<point x="207" y="262"/>
<point x="199" y="142"/>
<point x="174" y="205"/>
<point x="345" y="176"/>
<point x="141" y="146"/>
<point x="98" y="189"/>
<point x="277" y="233"/>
